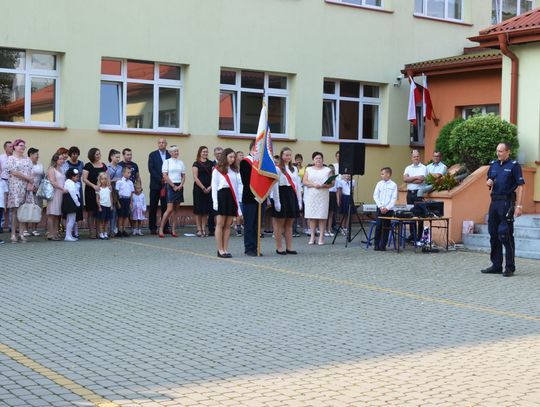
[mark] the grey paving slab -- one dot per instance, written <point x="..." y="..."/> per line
<point x="147" y="321"/>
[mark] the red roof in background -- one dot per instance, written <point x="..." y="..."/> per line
<point x="519" y="30"/>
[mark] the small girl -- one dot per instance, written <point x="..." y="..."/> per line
<point x="344" y="200"/>
<point x="138" y="207"/>
<point x="332" y="206"/>
<point x="104" y="203"/>
<point x="71" y="202"/>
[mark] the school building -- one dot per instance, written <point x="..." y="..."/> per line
<point x="115" y="74"/>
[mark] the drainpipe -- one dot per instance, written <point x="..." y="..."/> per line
<point x="503" y="44"/>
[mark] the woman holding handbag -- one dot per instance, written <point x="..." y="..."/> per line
<point x="54" y="207"/>
<point x="37" y="173"/>
<point x="20" y="182"/>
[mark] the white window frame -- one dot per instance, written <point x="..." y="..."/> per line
<point x="362" y="101"/>
<point x="362" y="3"/>
<point x="425" y="10"/>
<point x="30" y="73"/>
<point x="237" y="88"/>
<point x="157" y="83"/>
<point x="498" y="9"/>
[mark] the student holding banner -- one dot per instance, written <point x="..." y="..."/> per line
<point x="287" y="201"/>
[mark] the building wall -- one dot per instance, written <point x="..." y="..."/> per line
<point x="309" y="40"/>
<point x="449" y="93"/>
<point x="528" y="104"/>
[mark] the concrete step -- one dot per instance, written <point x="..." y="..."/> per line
<point x="526" y="254"/>
<point x="519" y="231"/>
<point x="483" y="240"/>
<point x="530" y="221"/>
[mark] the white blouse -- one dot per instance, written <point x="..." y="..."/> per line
<point x="219" y="182"/>
<point x="174" y="168"/>
<point x="283" y="181"/>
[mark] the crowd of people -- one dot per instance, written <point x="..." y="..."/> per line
<point x="109" y="196"/>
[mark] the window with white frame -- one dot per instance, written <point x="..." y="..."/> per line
<point x="443" y="9"/>
<point x="502" y="10"/>
<point x="240" y="100"/>
<point x="351" y="111"/>
<point x="140" y="95"/>
<point x="29" y="87"/>
<point x="468" y="111"/>
<point x="365" y="3"/>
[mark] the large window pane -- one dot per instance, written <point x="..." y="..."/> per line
<point x="140" y="70"/>
<point x="42" y="100"/>
<point x="251" y="79"/>
<point x="169" y="72"/>
<point x="43" y="61"/>
<point x="250" y="110"/>
<point x="328" y="118"/>
<point x="111" y="67"/>
<point x="350" y="89"/>
<point x="12" y="58"/>
<point x="454" y="9"/>
<point x="435" y="8"/>
<point x="227" y="109"/>
<point x="348" y="120"/>
<point x="276" y="114"/>
<point x="169" y="101"/>
<point x="139" y="108"/>
<point x="11" y="97"/>
<point x="110" y="102"/>
<point x="370" y="122"/>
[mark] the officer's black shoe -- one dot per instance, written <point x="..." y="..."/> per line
<point x="492" y="270"/>
<point x="508" y="272"/>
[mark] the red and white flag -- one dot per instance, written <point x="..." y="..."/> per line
<point x="415" y="97"/>
<point x="427" y="106"/>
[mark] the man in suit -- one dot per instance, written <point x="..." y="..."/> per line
<point x="155" y="163"/>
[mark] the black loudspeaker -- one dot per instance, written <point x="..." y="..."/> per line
<point x="352" y="158"/>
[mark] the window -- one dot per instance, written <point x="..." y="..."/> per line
<point x="140" y="95"/>
<point x="468" y="111"/>
<point x="241" y="97"/>
<point x="29" y="87"/>
<point x="502" y="10"/>
<point x="366" y="3"/>
<point x="351" y="111"/>
<point x="443" y="9"/>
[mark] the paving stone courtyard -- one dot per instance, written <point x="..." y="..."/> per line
<point x="163" y="322"/>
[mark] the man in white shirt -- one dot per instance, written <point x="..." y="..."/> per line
<point x="415" y="178"/>
<point x="385" y="196"/>
<point x="436" y="169"/>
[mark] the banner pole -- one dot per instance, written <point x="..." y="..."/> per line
<point x="259" y="230"/>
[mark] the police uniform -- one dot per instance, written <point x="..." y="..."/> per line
<point x="506" y="176"/>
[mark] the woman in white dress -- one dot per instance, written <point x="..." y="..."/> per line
<point x="317" y="196"/>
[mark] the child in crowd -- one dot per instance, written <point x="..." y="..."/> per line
<point x="138" y="208"/>
<point x="344" y="199"/>
<point x="385" y="197"/>
<point x="104" y="202"/>
<point x="332" y="205"/>
<point x="125" y="189"/>
<point x="71" y="202"/>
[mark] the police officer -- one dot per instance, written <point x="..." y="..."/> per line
<point x="505" y="181"/>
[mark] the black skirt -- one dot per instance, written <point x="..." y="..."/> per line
<point x="289" y="204"/>
<point x="175" y="196"/>
<point x="333" y="206"/>
<point x="68" y="204"/>
<point x="226" y="204"/>
<point x="202" y="203"/>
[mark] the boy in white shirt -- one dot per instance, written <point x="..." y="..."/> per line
<point x="385" y="196"/>
<point x="125" y="189"/>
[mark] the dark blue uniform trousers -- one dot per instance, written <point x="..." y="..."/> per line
<point x="501" y="233"/>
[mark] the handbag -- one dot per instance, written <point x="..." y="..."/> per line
<point x="45" y="189"/>
<point x="163" y="191"/>
<point x="29" y="212"/>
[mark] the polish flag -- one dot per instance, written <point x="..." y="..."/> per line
<point x="426" y="101"/>
<point x="415" y="97"/>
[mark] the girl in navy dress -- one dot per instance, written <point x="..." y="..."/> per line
<point x="226" y="195"/>
<point x="287" y="201"/>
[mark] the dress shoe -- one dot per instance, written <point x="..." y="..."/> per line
<point x="291" y="251"/>
<point x="224" y="255"/>
<point x="491" y="270"/>
<point x="283" y="253"/>
<point x="228" y="255"/>
<point x="251" y="254"/>
<point x="508" y="272"/>
<point x="173" y="234"/>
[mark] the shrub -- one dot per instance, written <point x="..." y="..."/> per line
<point x="444" y="183"/>
<point x="443" y="142"/>
<point x="474" y="141"/>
